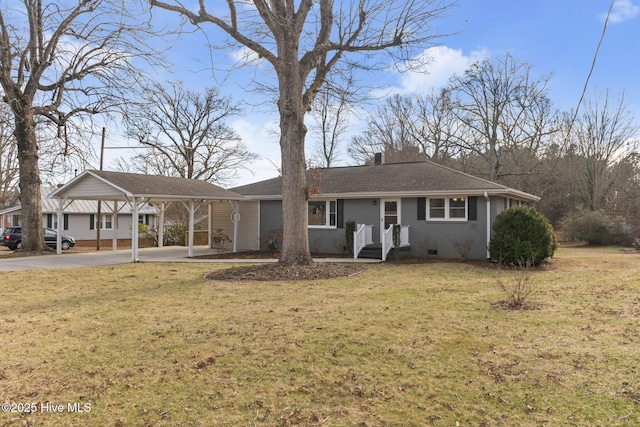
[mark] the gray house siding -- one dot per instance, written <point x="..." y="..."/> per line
<point x="437" y="239"/>
<point x="432" y="238"/>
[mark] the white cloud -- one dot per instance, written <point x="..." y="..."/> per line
<point x="244" y="56"/>
<point x="623" y="10"/>
<point x="262" y="139"/>
<point x="440" y="63"/>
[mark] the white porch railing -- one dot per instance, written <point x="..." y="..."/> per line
<point x="362" y="237"/>
<point x="387" y="239"/>
<point x="404" y="235"/>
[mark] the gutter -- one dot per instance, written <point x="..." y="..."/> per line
<point x="488" y="203"/>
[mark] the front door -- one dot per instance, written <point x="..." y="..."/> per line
<point x="389" y="213"/>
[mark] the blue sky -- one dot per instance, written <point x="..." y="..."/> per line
<point x="555" y="36"/>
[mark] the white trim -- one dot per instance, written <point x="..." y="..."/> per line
<point x="328" y="225"/>
<point x="447" y="210"/>
<point x="506" y="192"/>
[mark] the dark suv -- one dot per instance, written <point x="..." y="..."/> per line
<point x="12" y="238"/>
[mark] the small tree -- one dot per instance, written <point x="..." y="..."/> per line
<point x="522" y="236"/>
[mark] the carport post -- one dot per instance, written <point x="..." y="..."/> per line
<point x="161" y="226"/>
<point x="236" y="220"/>
<point x="114" y="226"/>
<point x="59" y="228"/>
<point x="192" y="209"/>
<point x="134" y="230"/>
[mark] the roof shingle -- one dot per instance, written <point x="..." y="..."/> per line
<point x="403" y="178"/>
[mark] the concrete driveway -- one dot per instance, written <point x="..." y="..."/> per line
<point x="109" y="257"/>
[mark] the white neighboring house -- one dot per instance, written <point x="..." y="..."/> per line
<point x="81" y="219"/>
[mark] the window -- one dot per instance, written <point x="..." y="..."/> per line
<point x="106" y="222"/>
<point x="144" y="219"/>
<point x="458" y="208"/>
<point x="436" y="208"/>
<point x="454" y="209"/>
<point x="322" y="213"/>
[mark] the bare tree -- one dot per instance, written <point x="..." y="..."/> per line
<point x="625" y="198"/>
<point x="8" y="157"/>
<point x="330" y="116"/>
<point x="601" y="135"/>
<point x="303" y="41"/>
<point x="503" y="108"/>
<point x="187" y="134"/>
<point x="390" y="131"/>
<point x="436" y="128"/>
<point x="60" y="59"/>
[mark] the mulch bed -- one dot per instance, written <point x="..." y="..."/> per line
<point x="285" y="272"/>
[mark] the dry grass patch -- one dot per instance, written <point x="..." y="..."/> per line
<point x="413" y="345"/>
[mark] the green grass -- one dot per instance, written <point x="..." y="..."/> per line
<point x="398" y="345"/>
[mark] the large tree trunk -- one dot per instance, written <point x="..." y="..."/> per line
<point x="295" y="235"/>
<point x="30" y="196"/>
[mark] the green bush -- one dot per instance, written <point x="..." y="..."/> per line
<point x="349" y="229"/>
<point x="597" y="228"/>
<point x="522" y="236"/>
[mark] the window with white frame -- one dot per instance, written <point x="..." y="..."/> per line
<point x="448" y="209"/>
<point x="106" y="222"/>
<point x="321" y="213"/>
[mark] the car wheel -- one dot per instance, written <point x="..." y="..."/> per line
<point x="18" y="245"/>
<point x="65" y="246"/>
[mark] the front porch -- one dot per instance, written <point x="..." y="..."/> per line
<point x="364" y="246"/>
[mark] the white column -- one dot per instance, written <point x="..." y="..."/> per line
<point x="209" y="221"/>
<point x="192" y="209"/>
<point x="59" y="230"/>
<point x="161" y="226"/>
<point x="134" y="230"/>
<point x="114" y="227"/>
<point x="236" y="221"/>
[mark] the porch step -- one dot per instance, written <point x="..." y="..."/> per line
<point x="375" y="251"/>
<point x="371" y="251"/>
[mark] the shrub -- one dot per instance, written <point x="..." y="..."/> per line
<point x="597" y="228"/>
<point x="219" y="239"/>
<point x="522" y="236"/>
<point x="174" y="235"/>
<point x="272" y="240"/>
<point x="463" y="247"/>
<point x="349" y="229"/>
<point x="518" y="288"/>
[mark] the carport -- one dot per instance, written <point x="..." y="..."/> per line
<point x="117" y="189"/>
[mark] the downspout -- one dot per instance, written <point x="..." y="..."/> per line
<point x="488" y="204"/>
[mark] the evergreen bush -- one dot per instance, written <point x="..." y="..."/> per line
<point x="597" y="228"/>
<point x="522" y="236"/>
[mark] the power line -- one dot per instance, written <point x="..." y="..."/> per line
<point x="593" y="66"/>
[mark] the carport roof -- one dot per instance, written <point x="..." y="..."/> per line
<point x="109" y="185"/>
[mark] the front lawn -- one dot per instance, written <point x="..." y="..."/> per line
<point x="396" y="345"/>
